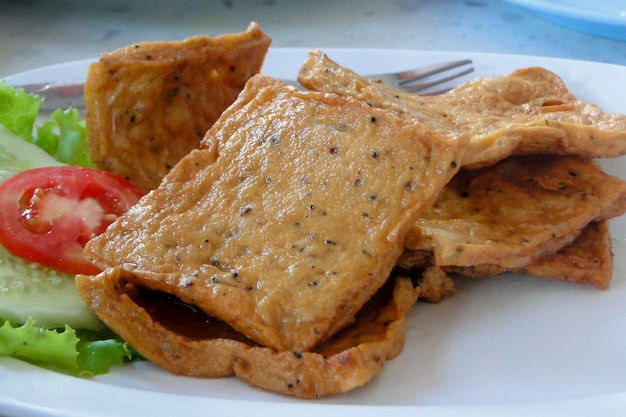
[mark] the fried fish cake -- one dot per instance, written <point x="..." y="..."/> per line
<point x="527" y="111"/>
<point x="586" y="261"/>
<point x="149" y="104"/>
<point x="186" y="341"/>
<point x="516" y="211"/>
<point x="352" y="357"/>
<point x="289" y="218"/>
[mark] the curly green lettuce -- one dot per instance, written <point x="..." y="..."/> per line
<point x="63" y="135"/>
<point x="82" y="353"/>
<point x="18" y="110"/>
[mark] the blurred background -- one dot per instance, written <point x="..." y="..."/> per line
<point x="35" y="33"/>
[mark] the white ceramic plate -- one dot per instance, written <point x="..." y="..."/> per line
<point x="513" y="345"/>
<point x="605" y="18"/>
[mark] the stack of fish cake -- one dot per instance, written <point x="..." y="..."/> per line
<point x="283" y="225"/>
<point x="529" y="184"/>
<point x="283" y="249"/>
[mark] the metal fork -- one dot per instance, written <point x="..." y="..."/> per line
<point x="70" y="94"/>
<point x="420" y="79"/>
<point x="57" y="95"/>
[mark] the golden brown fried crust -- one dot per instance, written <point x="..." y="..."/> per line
<point x="516" y="211"/>
<point x="586" y="261"/>
<point x="289" y="218"/>
<point x="126" y="309"/>
<point x="527" y="111"/>
<point x="589" y="260"/>
<point x="435" y="285"/>
<point x="188" y="342"/>
<point x="149" y="104"/>
<point x="348" y="360"/>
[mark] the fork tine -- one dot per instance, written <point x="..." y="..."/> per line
<point x="409" y="76"/>
<point x="420" y="86"/>
<point x="419" y="79"/>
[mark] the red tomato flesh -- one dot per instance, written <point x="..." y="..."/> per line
<point x="48" y="214"/>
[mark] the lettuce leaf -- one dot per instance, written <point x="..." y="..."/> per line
<point x="63" y="135"/>
<point x="18" y="110"/>
<point x="97" y="354"/>
<point x="57" y="349"/>
<point x="67" y="350"/>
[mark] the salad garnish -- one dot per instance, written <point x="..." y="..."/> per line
<point x="42" y="318"/>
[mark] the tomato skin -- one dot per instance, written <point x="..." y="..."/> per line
<point x="48" y="214"/>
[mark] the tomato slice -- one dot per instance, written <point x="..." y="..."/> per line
<point x="48" y="214"/>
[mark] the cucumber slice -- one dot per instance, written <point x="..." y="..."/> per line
<point x="18" y="155"/>
<point x="48" y="296"/>
<point x="29" y="289"/>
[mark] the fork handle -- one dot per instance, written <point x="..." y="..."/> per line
<point x="57" y="95"/>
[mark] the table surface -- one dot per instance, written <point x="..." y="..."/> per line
<point x="35" y="33"/>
